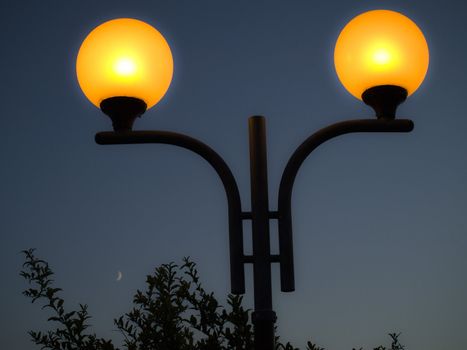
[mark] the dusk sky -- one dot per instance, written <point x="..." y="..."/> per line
<point x="380" y="220"/>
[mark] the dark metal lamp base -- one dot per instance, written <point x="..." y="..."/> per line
<point x="123" y="111"/>
<point x="384" y="99"/>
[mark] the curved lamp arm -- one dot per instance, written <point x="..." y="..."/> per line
<point x="292" y="167"/>
<point x="237" y="272"/>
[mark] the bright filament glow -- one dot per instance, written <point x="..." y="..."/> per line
<point x="382" y="57"/>
<point x="125" y="67"/>
<point x="381" y="47"/>
<point x="124" y="57"/>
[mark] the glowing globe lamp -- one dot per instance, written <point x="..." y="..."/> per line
<point x="381" y="55"/>
<point x="124" y="66"/>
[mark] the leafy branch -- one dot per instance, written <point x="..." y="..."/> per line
<point x="174" y="312"/>
<point x="70" y="333"/>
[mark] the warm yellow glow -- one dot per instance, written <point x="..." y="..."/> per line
<point x="125" y="67"/>
<point x="124" y="57"/>
<point x="381" y="47"/>
<point x="382" y="56"/>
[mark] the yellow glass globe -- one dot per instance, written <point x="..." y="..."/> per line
<point x="381" y="47"/>
<point x="124" y="57"/>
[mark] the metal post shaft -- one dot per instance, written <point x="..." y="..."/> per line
<point x="263" y="317"/>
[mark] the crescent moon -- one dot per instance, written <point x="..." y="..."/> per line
<point x="119" y="276"/>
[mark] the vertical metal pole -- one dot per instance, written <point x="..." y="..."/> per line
<point x="263" y="317"/>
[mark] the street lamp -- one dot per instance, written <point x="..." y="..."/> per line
<point x="381" y="57"/>
<point x="125" y="66"/>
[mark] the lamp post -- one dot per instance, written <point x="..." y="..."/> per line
<point x="125" y="66"/>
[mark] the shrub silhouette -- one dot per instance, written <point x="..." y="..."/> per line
<point x="173" y="313"/>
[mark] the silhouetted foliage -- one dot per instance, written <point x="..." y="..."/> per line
<point x="71" y="332"/>
<point x="173" y="313"/>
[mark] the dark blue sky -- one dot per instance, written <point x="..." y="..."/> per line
<point x="380" y="220"/>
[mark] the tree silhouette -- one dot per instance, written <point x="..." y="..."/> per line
<point x="173" y="313"/>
